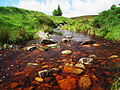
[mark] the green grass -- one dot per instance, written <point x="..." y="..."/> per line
<point x="17" y="25"/>
<point x="106" y="24"/>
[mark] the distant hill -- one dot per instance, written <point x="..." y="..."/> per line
<point x="84" y="17"/>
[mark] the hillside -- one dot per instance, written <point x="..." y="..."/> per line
<point x="106" y="24"/>
<point x="84" y="17"/>
<point x="17" y="25"/>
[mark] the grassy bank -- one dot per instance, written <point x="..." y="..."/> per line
<point x="17" y="25"/>
<point x="106" y="24"/>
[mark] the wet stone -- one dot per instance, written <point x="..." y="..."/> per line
<point x="113" y="56"/>
<point x="66" y="52"/>
<point x="68" y="83"/>
<point x="85" y="82"/>
<point x="73" y="70"/>
<point x="86" y="60"/>
<point x="53" y="46"/>
<point x="43" y="73"/>
<point x="32" y="64"/>
<point x="65" y="40"/>
<point x="92" y="56"/>
<point x="88" y="42"/>
<point x="38" y="79"/>
<point x="29" y="48"/>
<point x="80" y="65"/>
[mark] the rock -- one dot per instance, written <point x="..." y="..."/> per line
<point x="43" y="73"/>
<point x="66" y="52"/>
<point x="65" y="40"/>
<point x="13" y="85"/>
<point x="32" y="64"/>
<point x="113" y="56"/>
<point x="69" y="36"/>
<point x="48" y="79"/>
<point x="73" y="70"/>
<point x="69" y="64"/>
<point x="96" y="45"/>
<point x="68" y="84"/>
<point x="85" y="82"/>
<point x="29" y="48"/>
<point x="92" y="56"/>
<point x="42" y="35"/>
<point x="38" y="79"/>
<point x="53" y="46"/>
<point x="88" y="42"/>
<point x="54" y="69"/>
<point x="86" y="60"/>
<point x="42" y="48"/>
<point x="80" y="65"/>
<point x="47" y="41"/>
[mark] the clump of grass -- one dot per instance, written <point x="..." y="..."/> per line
<point x="116" y="84"/>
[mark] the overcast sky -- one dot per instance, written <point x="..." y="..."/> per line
<point x="70" y="8"/>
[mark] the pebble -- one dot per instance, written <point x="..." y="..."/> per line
<point x="112" y="57"/>
<point x="80" y="65"/>
<point x="38" y="79"/>
<point x="66" y="52"/>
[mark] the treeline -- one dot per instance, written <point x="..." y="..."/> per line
<point x="17" y="25"/>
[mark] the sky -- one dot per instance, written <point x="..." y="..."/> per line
<point x="70" y="8"/>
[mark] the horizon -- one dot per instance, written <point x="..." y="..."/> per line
<point x="70" y="8"/>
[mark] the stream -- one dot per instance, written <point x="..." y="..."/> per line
<point x="19" y="69"/>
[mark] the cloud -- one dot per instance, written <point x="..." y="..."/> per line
<point x="70" y="8"/>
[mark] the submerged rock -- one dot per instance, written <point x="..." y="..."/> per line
<point x="38" y="79"/>
<point x="68" y="83"/>
<point x="80" y="65"/>
<point x="85" y="82"/>
<point x="69" y="69"/>
<point x="66" y="52"/>
<point x="86" y="60"/>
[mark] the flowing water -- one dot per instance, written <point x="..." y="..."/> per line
<point x="16" y="74"/>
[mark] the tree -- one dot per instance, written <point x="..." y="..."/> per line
<point x="57" y="12"/>
<point x="113" y="7"/>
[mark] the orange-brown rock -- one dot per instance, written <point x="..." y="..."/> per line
<point x="85" y="82"/>
<point x="67" y="84"/>
<point x="69" y="69"/>
<point x="13" y="85"/>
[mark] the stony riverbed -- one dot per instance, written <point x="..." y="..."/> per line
<point x="69" y="65"/>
